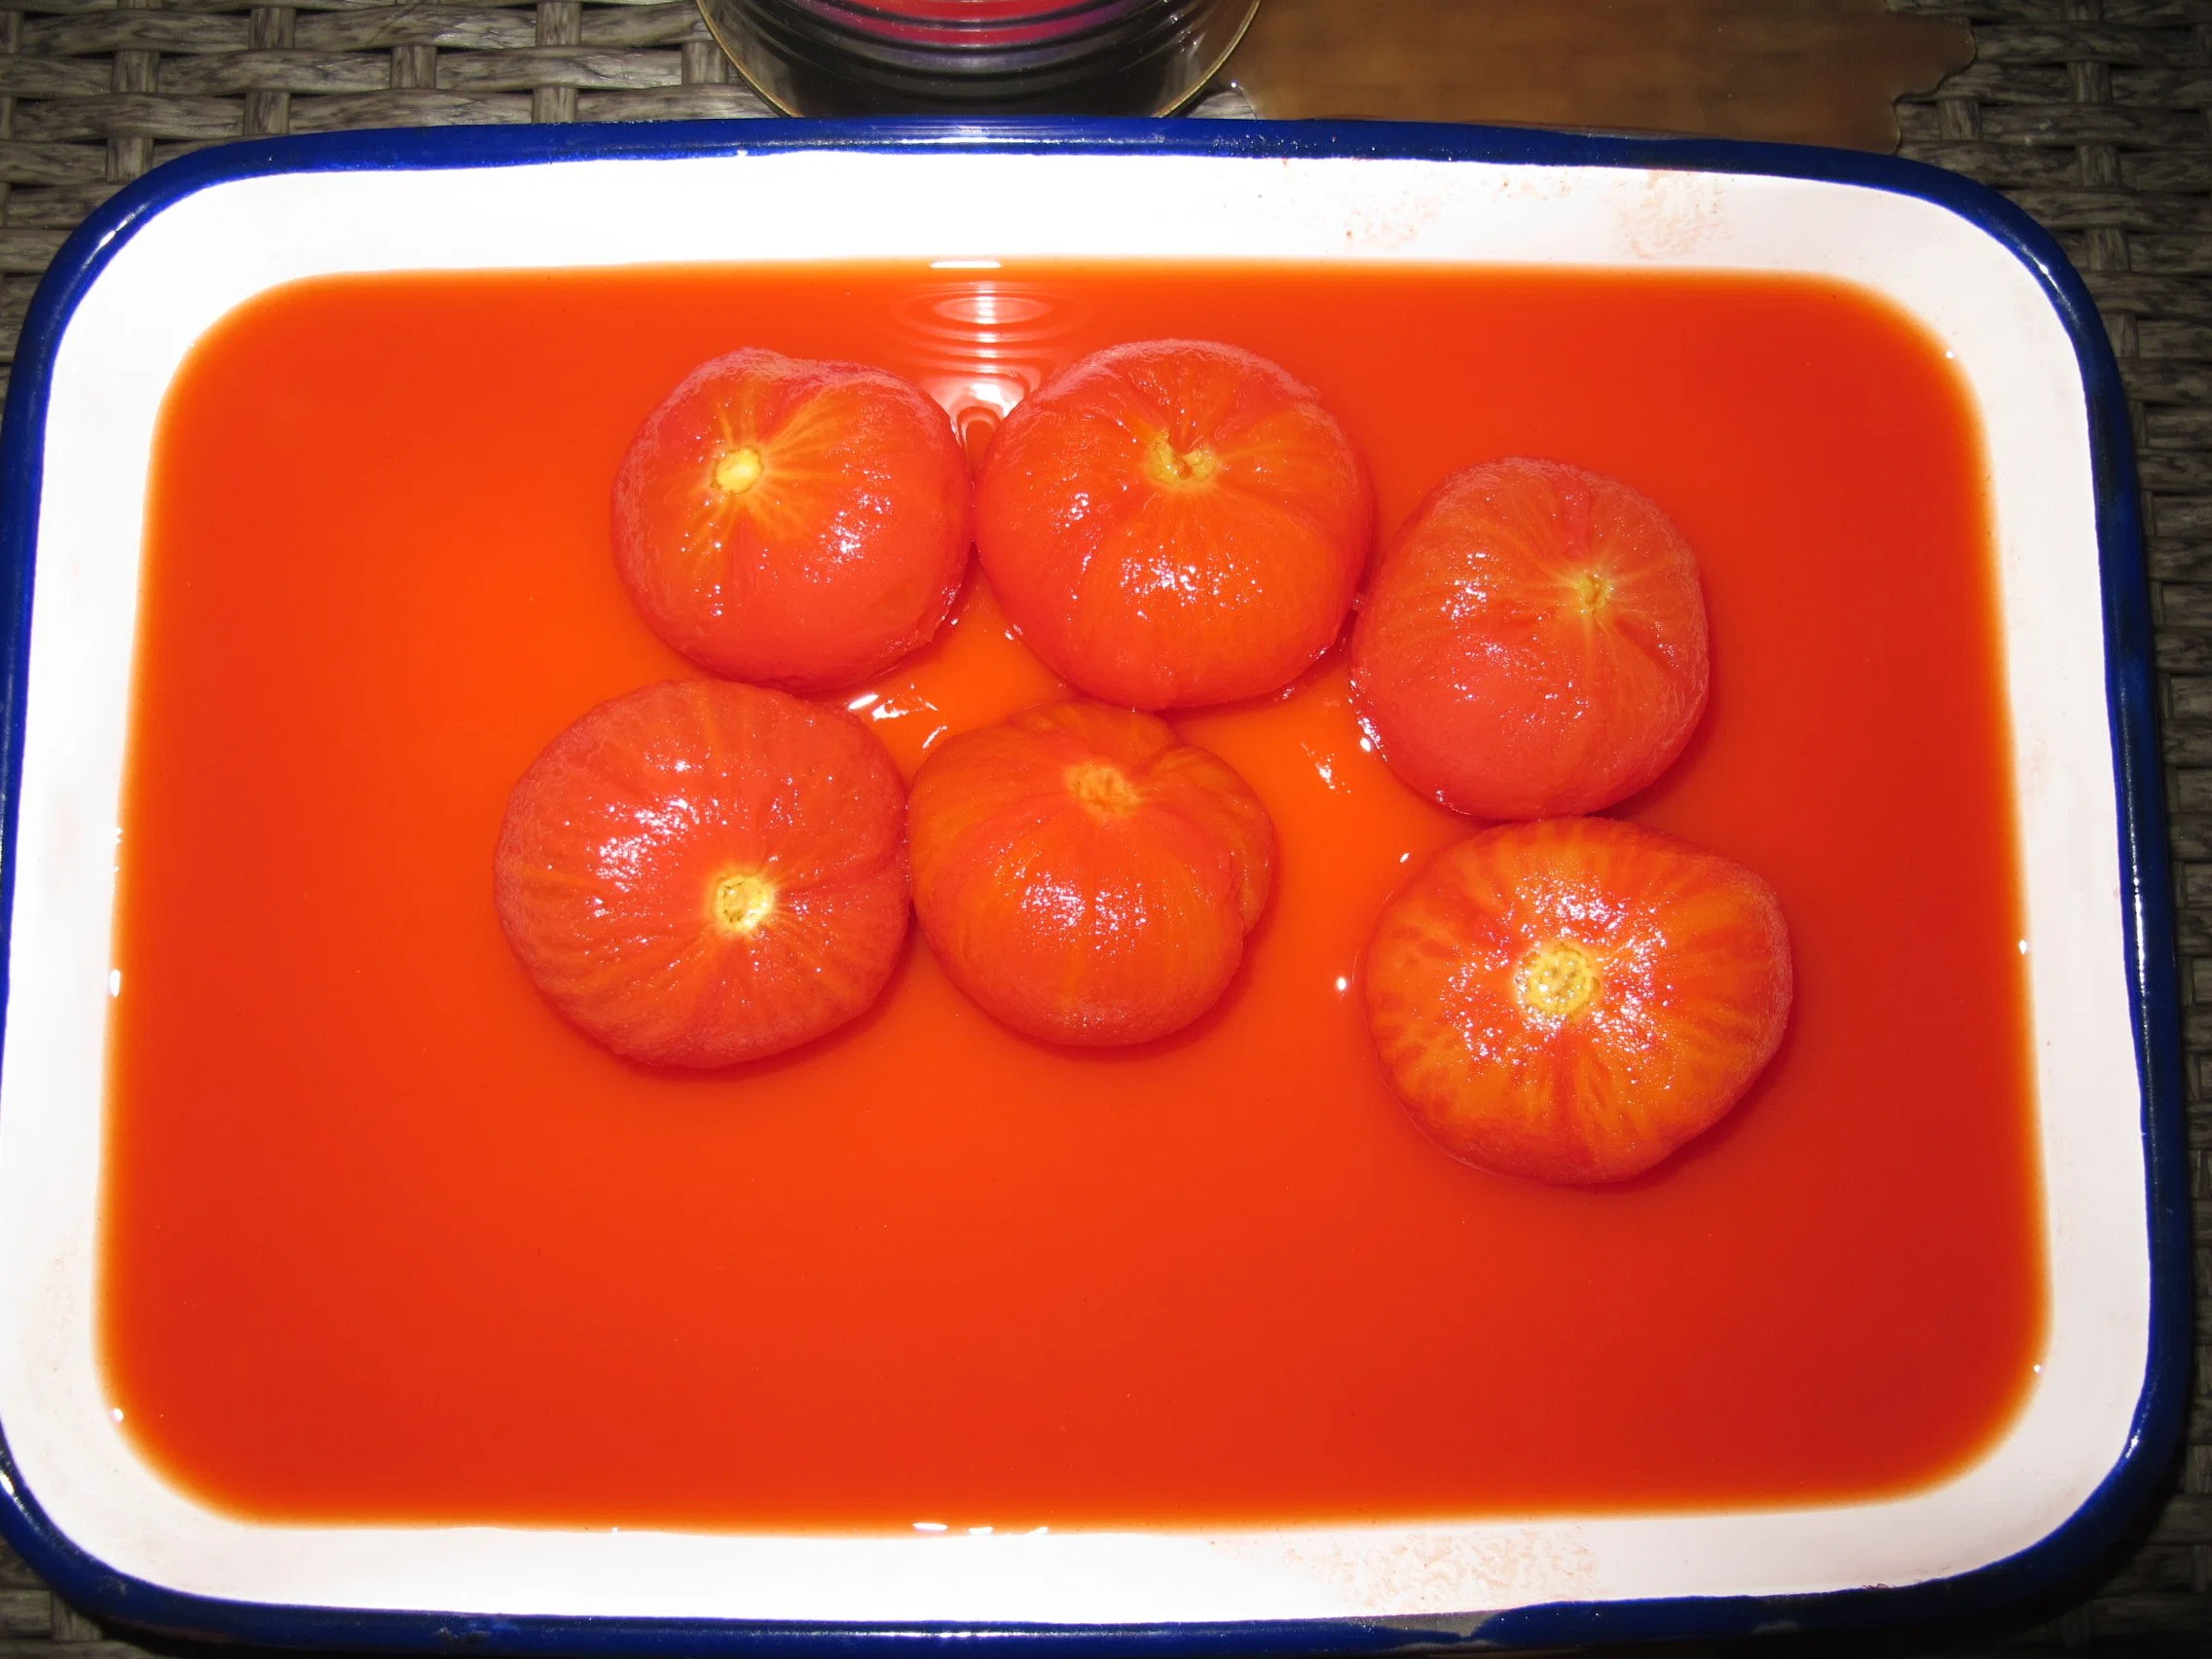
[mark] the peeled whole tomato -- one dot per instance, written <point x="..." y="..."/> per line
<point x="1533" y="642"/>
<point x="1086" y="875"/>
<point x="792" y="524"/>
<point x="1174" y="523"/>
<point x="1573" y="1000"/>
<point x="699" y="874"/>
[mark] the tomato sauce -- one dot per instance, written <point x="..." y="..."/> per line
<point x="384" y="1240"/>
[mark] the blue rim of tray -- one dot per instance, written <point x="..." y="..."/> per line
<point x="2045" y="1569"/>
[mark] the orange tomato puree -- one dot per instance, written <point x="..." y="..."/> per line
<point x="386" y="1240"/>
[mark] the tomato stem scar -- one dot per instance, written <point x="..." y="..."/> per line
<point x="740" y="900"/>
<point x="738" y="471"/>
<point x="1103" y="787"/>
<point x="1178" y="468"/>
<point x="1556" y="980"/>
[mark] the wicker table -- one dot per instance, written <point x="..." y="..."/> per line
<point x="2095" y="115"/>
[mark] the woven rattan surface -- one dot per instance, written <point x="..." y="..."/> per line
<point x="93" y="92"/>
<point x="2095" y="115"/>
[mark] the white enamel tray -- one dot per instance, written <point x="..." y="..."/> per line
<point x="134" y="291"/>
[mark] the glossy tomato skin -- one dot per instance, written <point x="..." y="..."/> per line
<point x="1086" y="875"/>
<point x="699" y="874"/>
<point x="1572" y="1000"/>
<point x="794" y="524"/>
<point x="1533" y="644"/>
<point x="1174" y="523"/>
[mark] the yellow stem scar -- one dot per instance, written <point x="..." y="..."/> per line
<point x="1103" y="786"/>
<point x="1179" y="468"/>
<point x="1556" y="980"/>
<point x="738" y="471"/>
<point x="740" y="900"/>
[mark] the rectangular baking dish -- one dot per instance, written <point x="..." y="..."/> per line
<point x="162" y="262"/>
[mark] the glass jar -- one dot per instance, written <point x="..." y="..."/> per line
<point x="978" y="57"/>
